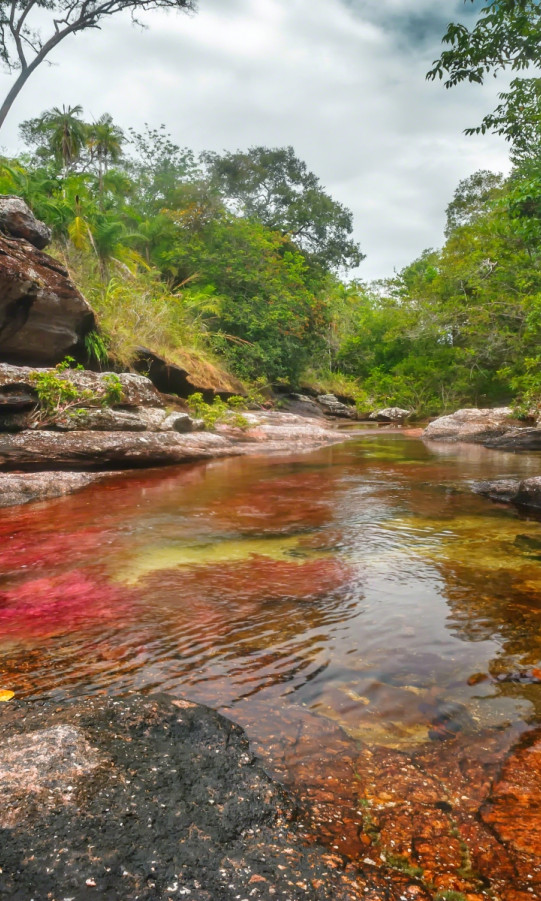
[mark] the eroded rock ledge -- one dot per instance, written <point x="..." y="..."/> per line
<point x="151" y="798"/>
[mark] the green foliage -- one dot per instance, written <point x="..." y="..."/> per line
<point x="205" y="265"/>
<point x="274" y="187"/>
<point x="95" y="347"/>
<point x="59" y="396"/>
<point x="219" y="412"/>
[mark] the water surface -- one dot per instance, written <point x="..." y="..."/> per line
<point x="362" y="586"/>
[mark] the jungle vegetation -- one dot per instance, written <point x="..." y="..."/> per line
<point x="242" y="262"/>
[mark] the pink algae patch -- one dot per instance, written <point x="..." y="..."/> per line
<point x="49" y="549"/>
<point x="71" y="602"/>
<point x="256" y="579"/>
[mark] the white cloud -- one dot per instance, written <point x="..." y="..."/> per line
<point x="344" y="83"/>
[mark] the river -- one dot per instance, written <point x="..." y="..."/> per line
<point x="356" y="598"/>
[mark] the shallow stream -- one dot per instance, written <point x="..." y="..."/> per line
<point x="361" y="586"/>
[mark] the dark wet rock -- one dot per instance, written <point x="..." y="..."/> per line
<point x="18" y="221"/>
<point x="302" y="405"/>
<point x="390" y="414"/>
<point x="42" y="450"/>
<point x="170" y="378"/>
<point x="19" y="488"/>
<point x="516" y="439"/>
<point x="148" y="798"/>
<point x="333" y="407"/>
<point x="471" y="424"/>
<point x="525" y="493"/>
<point x="43" y="317"/>
<point x="179" y="422"/>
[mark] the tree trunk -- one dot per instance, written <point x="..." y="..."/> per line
<point x="11" y="96"/>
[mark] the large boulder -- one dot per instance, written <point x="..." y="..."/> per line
<point x="390" y="414"/>
<point x="43" y="317"/>
<point x="471" y="424"/>
<point x="18" y="221"/>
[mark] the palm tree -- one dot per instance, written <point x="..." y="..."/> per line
<point x="65" y="132"/>
<point x="105" y="140"/>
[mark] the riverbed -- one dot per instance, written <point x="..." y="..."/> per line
<point x="358" y="610"/>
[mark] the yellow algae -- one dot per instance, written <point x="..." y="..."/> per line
<point x="173" y="556"/>
<point x="490" y="543"/>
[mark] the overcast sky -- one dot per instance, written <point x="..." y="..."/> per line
<point x="343" y="81"/>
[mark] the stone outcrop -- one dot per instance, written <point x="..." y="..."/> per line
<point x="333" y="407"/>
<point x="18" y="221"/>
<point x="517" y="439"/>
<point x="496" y="428"/>
<point x="524" y="493"/>
<point x="174" y="379"/>
<point x="471" y="424"/>
<point x="43" y="317"/>
<point x="152" y="798"/>
<point x="390" y="414"/>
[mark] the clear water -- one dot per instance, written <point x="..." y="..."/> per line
<point x="362" y="586"/>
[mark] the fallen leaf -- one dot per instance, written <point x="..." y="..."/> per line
<point x="6" y="695"/>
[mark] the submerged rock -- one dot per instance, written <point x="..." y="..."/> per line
<point x="151" y="798"/>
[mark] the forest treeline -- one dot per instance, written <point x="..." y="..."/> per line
<point x="241" y="261"/>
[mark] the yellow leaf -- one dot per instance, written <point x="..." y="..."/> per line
<point x="6" y="695"/>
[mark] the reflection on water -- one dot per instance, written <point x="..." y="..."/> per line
<point x="360" y="586"/>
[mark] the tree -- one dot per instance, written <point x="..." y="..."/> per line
<point x="507" y="35"/>
<point x="471" y="198"/>
<point x="59" y="133"/>
<point x="25" y="41"/>
<point x="105" y="140"/>
<point x="275" y="187"/>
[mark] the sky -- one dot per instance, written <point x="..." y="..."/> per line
<point x="342" y="81"/>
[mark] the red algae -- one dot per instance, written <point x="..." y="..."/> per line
<point x="48" y="550"/>
<point x="43" y="607"/>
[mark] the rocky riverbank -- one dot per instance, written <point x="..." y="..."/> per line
<point x="48" y="452"/>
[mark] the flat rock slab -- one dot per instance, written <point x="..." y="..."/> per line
<point x="23" y="488"/>
<point x="150" y="798"/>
<point x="98" y="450"/>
